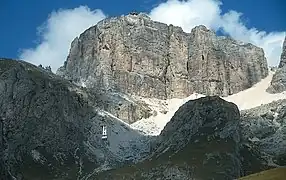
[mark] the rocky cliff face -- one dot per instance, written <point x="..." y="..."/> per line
<point x="51" y="129"/>
<point x="283" y="55"/>
<point x="133" y="54"/>
<point x="278" y="83"/>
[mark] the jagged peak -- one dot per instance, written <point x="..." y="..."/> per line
<point x="139" y="15"/>
<point x="201" y="28"/>
<point x="283" y="55"/>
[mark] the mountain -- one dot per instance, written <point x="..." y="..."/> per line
<point x="51" y="128"/>
<point x="127" y="74"/>
<point x="207" y="138"/>
<point x="278" y="83"/>
<point x="134" y="55"/>
<point x="201" y="141"/>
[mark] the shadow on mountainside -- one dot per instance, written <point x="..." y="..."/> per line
<point x="51" y="128"/>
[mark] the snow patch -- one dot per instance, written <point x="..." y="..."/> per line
<point x="256" y="95"/>
<point x="155" y="124"/>
<point x="247" y="99"/>
<point x="36" y="155"/>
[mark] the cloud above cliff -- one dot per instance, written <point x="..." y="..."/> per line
<point x="62" y="26"/>
<point x="191" y="13"/>
<point x="57" y="33"/>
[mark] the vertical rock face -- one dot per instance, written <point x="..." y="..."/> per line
<point x="133" y="54"/>
<point x="283" y="55"/>
<point x="278" y="83"/>
<point x="220" y="65"/>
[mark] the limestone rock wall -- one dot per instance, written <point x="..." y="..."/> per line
<point x="133" y="54"/>
<point x="283" y="55"/>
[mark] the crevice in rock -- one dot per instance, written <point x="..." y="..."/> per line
<point x="165" y="71"/>
<point x="130" y="64"/>
<point x="2" y="140"/>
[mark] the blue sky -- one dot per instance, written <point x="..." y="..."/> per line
<point x="21" y="19"/>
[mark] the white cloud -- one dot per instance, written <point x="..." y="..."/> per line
<point x="57" y="33"/>
<point x="191" y="13"/>
<point x="63" y="26"/>
<point x="188" y="14"/>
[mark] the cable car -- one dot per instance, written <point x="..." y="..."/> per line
<point x="104" y="132"/>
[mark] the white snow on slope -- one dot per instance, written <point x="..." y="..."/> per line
<point x="249" y="98"/>
<point x="256" y="95"/>
<point x="124" y="141"/>
<point x="154" y="124"/>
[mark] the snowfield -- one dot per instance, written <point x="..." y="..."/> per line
<point x="247" y="99"/>
<point x="256" y="95"/>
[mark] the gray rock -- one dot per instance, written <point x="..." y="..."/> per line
<point x="201" y="141"/>
<point x="51" y="128"/>
<point x="122" y="106"/>
<point x="265" y="127"/>
<point x="278" y="83"/>
<point x="252" y="159"/>
<point x="283" y="55"/>
<point x="134" y="55"/>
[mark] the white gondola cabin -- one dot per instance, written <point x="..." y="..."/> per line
<point x="104" y="132"/>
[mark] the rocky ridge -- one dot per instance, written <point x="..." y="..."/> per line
<point x="51" y="128"/>
<point x="137" y="56"/>
<point x="201" y="141"/>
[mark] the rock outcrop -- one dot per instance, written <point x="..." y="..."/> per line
<point x="51" y="129"/>
<point x="278" y="83"/>
<point x="265" y="128"/>
<point x="201" y="141"/>
<point x="134" y="55"/>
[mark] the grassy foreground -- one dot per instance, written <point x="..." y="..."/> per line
<point x="272" y="174"/>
